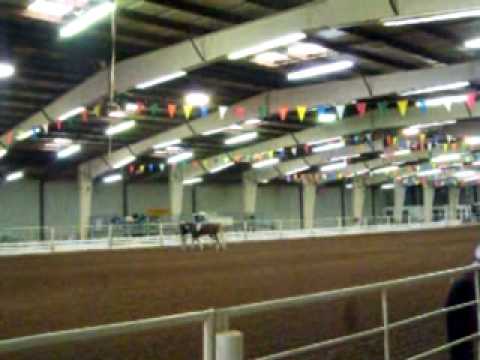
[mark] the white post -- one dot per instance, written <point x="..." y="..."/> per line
<point x="110" y="236"/>
<point x="428" y="198"/>
<point x="85" y="185"/>
<point x="398" y="202"/>
<point x="229" y="346"/>
<point x="52" y="239"/>
<point x="309" y="191"/>
<point x="249" y="193"/>
<point x="160" y="234"/>
<point x="175" y="183"/>
<point x="386" y="330"/>
<point x="453" y="201"/>
<point x="358" y="200"/>
<point x="209" y="337"/>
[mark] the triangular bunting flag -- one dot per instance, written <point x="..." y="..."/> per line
<point x="97" y="110"/>
<point x="240" y="112"/>
<point x="402" y="106"/>
<point x="171" y="109"/>
<point x="187" y="110"/>
<point x="140" y="107"/>
<point x="283" y="113"/>
<point x="10" y="137"/>
<point x="45" y="128"/>
<point x="204" y="111"/>
<point x="448" y="105"/>
<point x="154" y="109"/>
<point x="382" y="107"/>
<point x="361" y="108"/>
<point x="262" y="111"/>
<point x="222" y="111"/>
<point x="301" y="112"/>
<point x="422" y="105"/>
<point x="84" y="116"/>
<point x="340" y="109"/>
<point x="471" y="100"/>
<point x="59" y="125"/>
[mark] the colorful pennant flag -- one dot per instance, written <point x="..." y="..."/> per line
<point x="402" y="106"/>
<point x="97" y="110"/>
<point x="471" y="100"/>
<point x="140" y="107"/>
<point x="361" y="108"/>
<point x="422" y="105"/>
<point x="340" y="109"/>
<point x="222" y="110"/>
<point x="204" y="111"/>
<point x="262" y="111"/>
<point x="59" y="125"/>
<point x="10" y="137"/>
<point x="382" y="107"/>
<point x="45" y="128"/>
<point x="187" y="110"/>
<point x="240" y="112"/>
<point x="85" y="116"/>
<point x="283" y="113"/>
<point x="448" y="104"/>
<point x="171" y="109"/>
<point x="301" y="112"/>
<point x="154" y="109"/>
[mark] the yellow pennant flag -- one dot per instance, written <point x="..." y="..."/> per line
<point x="402" y="106"/>
<point x="301" y="111"/>
<point x="97" y="110"/>
<point x="187" y="110"/>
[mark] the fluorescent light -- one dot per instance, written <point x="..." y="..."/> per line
<point x="166" y="144"/>
<point x="472" y="140"/>
<point x="447" y="158"/>
<point x="196" y="98"/>
<point x="24" y="135"/>
<point x="402" y="152"/>
<point x="411" y="131"/>
<point x="476" y="163"/>
<point x="434" y="18"/>
<point x="267" y="45"/>
<point x="329" y="146"/>
<point x="110" y="179"/>
<point x="430" y="172"/>
<point x="470" y="179"/>
<point x="464" y="174"/>
<point x="349" y="186"/>
<point x="326" y="118"/>
<point x="6" y="70"/>
<point x="3" y="152"/>
<point x="325" y="141"/>
<point x="251" y="122"/>
<point x="220" y="130"/>
<point x="437" y="88"/>
<point x="472" y="43"/>
<point x="389" y="186"/>
<point x="265" y="163"/>
<point x="119" y="128"/>
<point x="334" y="166"/>
<point x="161" y="79"/>
<point x="443" y="100"/>
<point x="180" y="157"/>
<point x="243" y="138"/>
<point x="71" y="113"/>
<point x="297" y="170"/>
<point x="305" y="50"/>
<point x="219" y="168"/>
<point x="56" y="9"/>
<point x="320" y="70"/>
<point x="344" y="157"/>
<point x="193" y="181"/>
<point x="17" y="175"/>
<point x="117" y="113"/>
<point x="124" y="162"/>
<point x="69" y="151"/>
<point x="131" y="107"/>
<point x="86" y="19"/>
<point x="385" y="170"/>
<point x="270" y="59"/>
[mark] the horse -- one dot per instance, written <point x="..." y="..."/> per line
<point x="214" y="231"/>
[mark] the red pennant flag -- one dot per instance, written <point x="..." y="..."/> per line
<point x="361" y="108"/>
<point x="140" y="107"/>
<point x="85" y="116"/>
<point x="306" y="148"/>
<point x="283" y="113"/>
<point x="172" y="110"/>
<point x="471" y="100"/>
<point x="59" y="125"/>
<point x="131" y="169"/>
<point x="10" y="137"/>
<point x="240" y="112"/>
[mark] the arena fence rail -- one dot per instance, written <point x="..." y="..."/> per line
<point x="221" y="344"/>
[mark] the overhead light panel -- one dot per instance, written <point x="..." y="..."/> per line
<point x="6" y="70"/>
<point x="438" y="88"/>
<point x="271" y="59"/>
<point x="222" y="129"/>
<point x="71" y="113"/>
<point x="180" y="157"/>
<point x="87" y="19"/>
<point x="472" y="140"/>
<point x="3" y="152"/>
<point x="434" y="18"/>
<point x="465" y="174"/>
<point x="444" y="158"/>
<point x="334" y="167"/>
<point x="119" y="128"/>
<point x="323" y="147"/>
<point x="326" y="118"/>
<point x="429" y="172"/>
<point x="384" y="170"/>
<point x="253" y="122"/>
<point x="297" y="170"/>
<point x="14" y="176"/>
<point x="166" y="144"/>
<point x="411" y="131"/>
<point x="220" y="168"/>
<point x="56" y="9"/>
<point x="161" y="79"/>
<point x="267" y="45"/>
<point x="443" y="101"/>
<point x="197" y="98"/>
<point x="69" y="151"/>
<point x="265" y="163"/>
<point x="243" y="138"/>
<point x="389" y="186"/>
<point x="306" y="50"/>
<point x="110" y="179"/>
<point x="193" y="181"/>
<point x="124" y="162"/>
<point x="320" y="70"/>
<point x="24" y="135"/>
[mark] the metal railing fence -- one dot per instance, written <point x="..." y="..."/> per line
<point x="215" y="321"/>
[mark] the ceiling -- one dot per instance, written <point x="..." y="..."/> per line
<point x="47" y="67"/>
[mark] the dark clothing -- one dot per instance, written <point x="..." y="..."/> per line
<point x="462" y="322"/>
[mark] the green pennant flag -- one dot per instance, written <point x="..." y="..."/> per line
<point x="382" y="107"/>
<point x="154" y="109"/>
<point x="262" y="111"/>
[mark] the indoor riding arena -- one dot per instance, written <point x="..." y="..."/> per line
<point x="239" y="179"/>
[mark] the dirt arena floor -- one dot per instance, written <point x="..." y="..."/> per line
<point x="52" y="292"/>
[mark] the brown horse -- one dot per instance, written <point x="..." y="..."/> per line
<point x="214" y="231"/>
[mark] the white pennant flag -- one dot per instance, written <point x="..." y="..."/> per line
<point x="45" y="128"/>
<point x="448" y="105"/>
<point x="340" y="111"/>
<point x="222" y="109"/>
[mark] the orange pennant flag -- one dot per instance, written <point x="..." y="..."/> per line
<point x="402" y="106"/>
<point x="172" y="110"/>
<point x="301" y="112"/>
<point x="283" y="113"/>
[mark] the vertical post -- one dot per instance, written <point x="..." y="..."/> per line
<point x="160" y="234"/>
<point x="124" y="196"/>
<point x="110" y="236"/>
<point x="229" y="346"/>
<point x="343" y="211"/>
<point x="309" y="191"/>
<point x="249" y="194"/>
<point x="477" y="299"/>
<point x="428" y="199"/>
<point x="175" y="183"/>
<point x="358" y="200"/>
<point x="41" y="205"/>
<point x="386" y="330"/>
<point x="398" y="202"/>
<point x="85" y="184"/>
<point x="52" y="239"/>
<point x="209" y="337"/>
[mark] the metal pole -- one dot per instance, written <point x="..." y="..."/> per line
<point x="52" y="239"/>
<point x="477" y="299"/>
<point x="230" y="346"/>
<point x="160" y="234"/>
<point x="110" y="236"/>
<point x="386" y="334"/>
<point x="209" y="337"/>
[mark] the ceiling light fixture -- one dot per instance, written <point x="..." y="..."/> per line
<point x="119" y="128"/>
<point x="389" y="186"/>
<point x="69" y="151"/>
<point x="219" y="168"/>
<point x="3" y="153"/>
<point x="320" y="70"/>
<point x="166" y="144"/>
<point x="110" y="179"/>
<point x="243" y="138"/>
<point x="267" y="45"/>
<point x="472" y="43"/>
<point x="430" y="172"/>
<point x="305" y="50"/>
<point x="464" y="174"/>
<point x="443" y="158"/>
<point x="472" y="140"/>
<point x="24" y="135"/>
<point x="265" y="163"/>
<point x="124" y="162"/>
<point x="438" y="88"/>
<point x="223" y="129"/>
<point x="334" y="167"/>
<point x="87" y="19"/>
<point x="411" y="131"/>
<point x="434" y="18"/>
<point x="193" y="181"/>
<point x="442" y="101"/>
<point x="326" y="118"/>
<point x="161" y="79"/>
<point x="6" y="70"/>
<point x="71" y="113"/>
<point x="297" y="170"/>
<point x="180" y="157"/>
<point x="252" y="122"/>
<point x="385" y="170"/>
<point x="197" y="98"/>
<point x="14" y="176"/>
<point x="55" y="9"/>
<point x="338" y="144"/>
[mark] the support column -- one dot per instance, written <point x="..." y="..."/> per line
<point x="453" y="201"/>
<point x="428" y="198"/>
<point x="249" y="193"/>
<point x="309" y="191"/>
<point x="175" y="187"/>
<point x="85" y="187"/>
<point x="358" y="199"/>
<point x="398" y="202"/>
